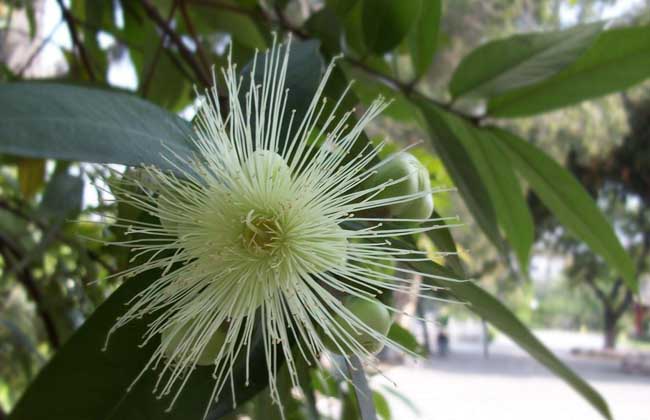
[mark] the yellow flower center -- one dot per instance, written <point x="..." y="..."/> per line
<point x="261" y="233"/>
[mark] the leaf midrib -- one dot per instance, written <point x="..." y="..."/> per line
<point x="506" y="100"/>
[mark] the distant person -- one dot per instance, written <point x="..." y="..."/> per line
<point x="442" y="339"/>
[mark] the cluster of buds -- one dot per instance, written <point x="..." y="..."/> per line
<point x="408" y="177"/>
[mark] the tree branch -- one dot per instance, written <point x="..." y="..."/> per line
<point x="599" y="293"/>
<point x="70" y="21"/>
<point x="38" y="50"/>
<point x="625" y="304"/>
<point x="203" y="58"/>
<point x="152" y="66"/>
<point x="60" y="236"/>
<point x="185" y="52"/>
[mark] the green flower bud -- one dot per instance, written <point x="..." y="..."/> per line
<point x="373" y="314"/>
<point x="404" y="165"/>
<point x="268" y="164"/>
<point x="208" y="354"/>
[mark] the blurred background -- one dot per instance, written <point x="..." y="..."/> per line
<point x="53" y="277"/>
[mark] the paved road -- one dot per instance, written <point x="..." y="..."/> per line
<point x="512" y="386"/>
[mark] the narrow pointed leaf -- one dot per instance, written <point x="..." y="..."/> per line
<point x="568" y="201"/>
<point x="520" y="60"/>
<point x="442" y="131"/>
<point x="361" y="389"/>
<point x="423" y="38"/>
<point x="504" y="190"/>
<point x="386" y="22"/>
<point x="618" y="59"/>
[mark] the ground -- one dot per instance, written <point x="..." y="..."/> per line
<point x="510" y="385"/>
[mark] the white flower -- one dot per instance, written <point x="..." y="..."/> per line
<point x="262" y="234"/>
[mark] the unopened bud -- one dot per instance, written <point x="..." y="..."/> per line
<point x="414" y="179"/>
<point x="369" y="312"/>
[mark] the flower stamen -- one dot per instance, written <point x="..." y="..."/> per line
<point x="261" y="234"/>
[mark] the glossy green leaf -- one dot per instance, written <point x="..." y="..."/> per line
<point x="492" y="310"/>
<point x="423" y="38"/>
<point x="386" y="22"/>
<point x="618" y="59"/>
<point x="326" y="26"/>
<point x="503" y="187"/>
<point x="520" y="60"/>
<point x="44" y="120"/>
<point x="443" y="129"/>
<point x="353" y="30"/>
<point x="84" y="382"/>
<point x="568" y="201"/>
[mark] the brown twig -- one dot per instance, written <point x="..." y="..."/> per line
<point x="185" y="52"/>
<point x="152" y="66"/>
<point x="203" y="58"/>
<point x="38" y="50"/>
<point x="70" y="21"/>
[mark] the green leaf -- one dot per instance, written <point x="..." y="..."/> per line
<point x="503" y="187"/>
<point x="42" y="120"/>
<point x="31" y="18"/>
<point x="386" y="22"/>
<point x="84" y="382"/>
<point x="166" y="85"/>
<point x="520" y="60"/>
<point x="341" y="7"/>
<point x="423" y="38"/>
<point x="326" y="26"/>
<point x="31" y="176"/>
<point x="404" y="337"/>
<point x="353" y="29"/>
<point x="362" y="392"/>
<point x="568" y="201"/>
<point x="242" y="27"/>
<point x="62" y="197"/>
<point x="368" y="89"/>
<point x="304" y="72"/>
<point x="444" y="242"/>
<point x="403" y="398"/>
<point x="443" y="129"/>
<point x="618" y="59"/>
<point x="488" y="307"/>
<point x="382" y="406"/>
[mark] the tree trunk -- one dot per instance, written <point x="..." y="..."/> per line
<point x="610" y="329"/>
